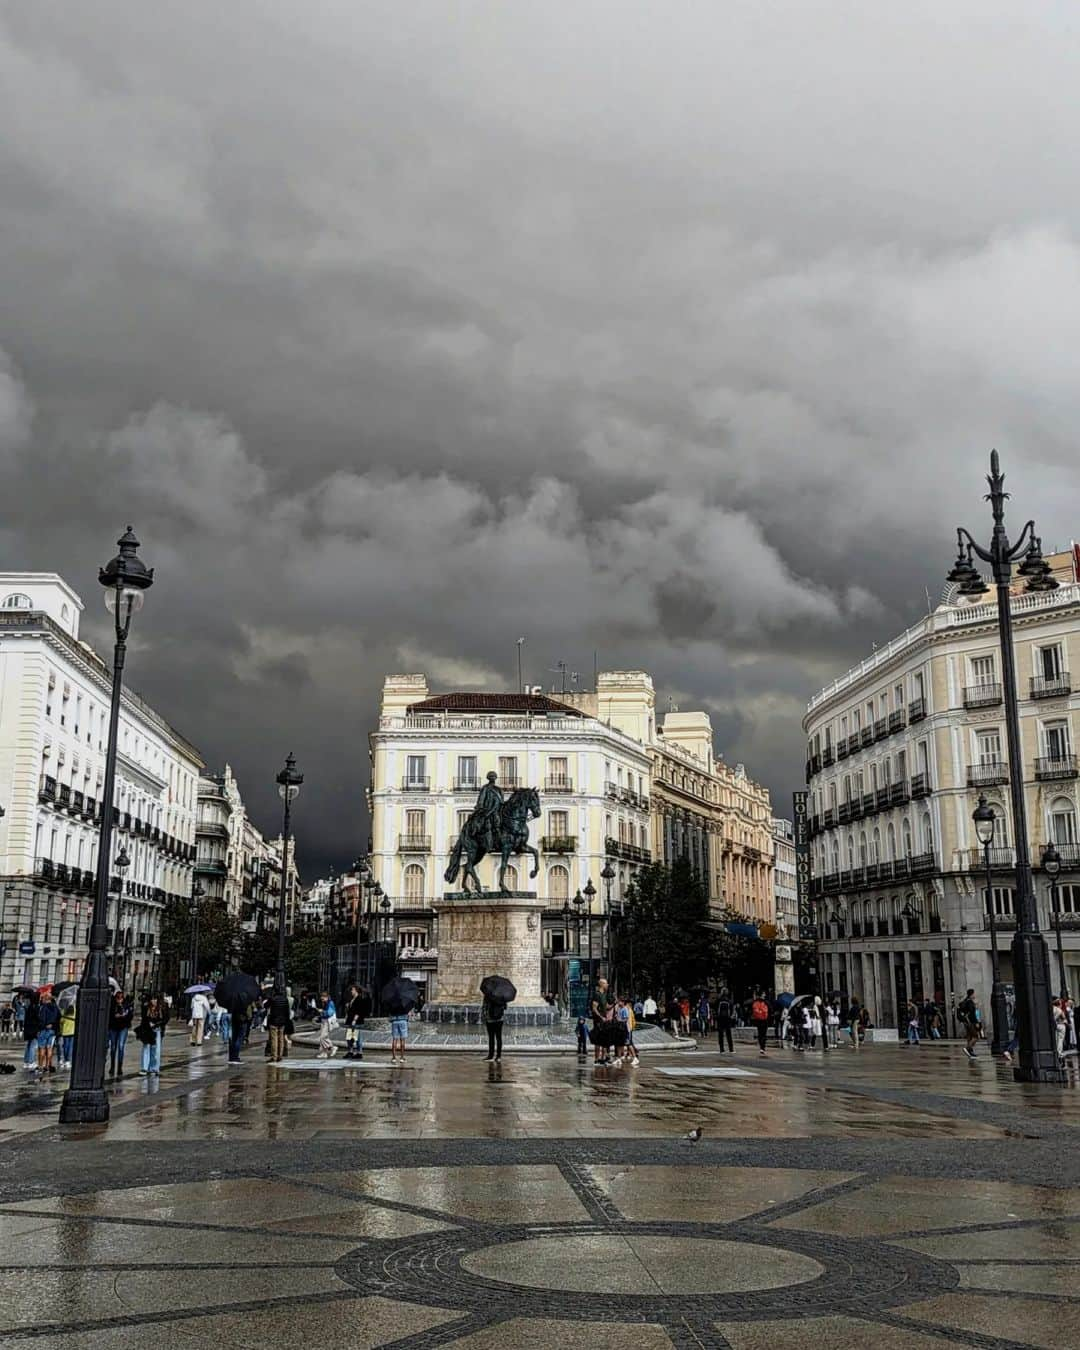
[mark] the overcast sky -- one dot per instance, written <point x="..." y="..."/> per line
<point x="678" y="332"/>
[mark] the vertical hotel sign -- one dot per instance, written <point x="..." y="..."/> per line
<point x="802" y="866"/>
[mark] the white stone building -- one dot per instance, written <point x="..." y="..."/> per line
<point x="54" y="714"/>
<point x="785" y="890"/>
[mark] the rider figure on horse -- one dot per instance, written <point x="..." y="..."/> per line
<point x="486" y="817"/>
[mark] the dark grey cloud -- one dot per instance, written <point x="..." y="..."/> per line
<point x="678" y="333"/>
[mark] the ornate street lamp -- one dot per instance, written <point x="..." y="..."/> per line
<point x="197" y="893"/>
<point x="126" y="580"/>
<point x="289" y="782"/>
<point x="363" y="880"/>
<point x="1052" y="867"/>
<point x="985" y="824"/>
<point x="384" y="905"/>
<point x="120" y="947"/>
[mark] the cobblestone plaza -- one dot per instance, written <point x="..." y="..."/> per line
<point x="901" y="1199"/>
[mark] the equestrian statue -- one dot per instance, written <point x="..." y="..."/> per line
<point x="498" y="825"/>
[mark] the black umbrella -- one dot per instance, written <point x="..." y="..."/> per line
<point x="236" y="992"/>
<point x="498" y="989"/>
<point x="399" y="997"/>
<point x="27" y="990"/>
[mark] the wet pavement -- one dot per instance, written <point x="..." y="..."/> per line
<point x="896" y="1199"/>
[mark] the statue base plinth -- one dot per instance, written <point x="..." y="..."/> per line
<point x="489" y="934"/>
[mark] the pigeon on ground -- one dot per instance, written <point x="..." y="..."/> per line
<point x="694" y="1135"/>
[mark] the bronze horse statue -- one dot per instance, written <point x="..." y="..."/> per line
<point x="512" y="838"/>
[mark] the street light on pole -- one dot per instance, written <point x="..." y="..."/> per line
<point x="1052" y="867"/>
<point x="197" y="893"/>
<point x="985" y="824"/>
<point x="579" y="905"/>
<point x="590" y="896"/>
<point x="607" y="876"/>
<point x="120" y="948"/>
<point x="1038" y="1061"/>
<point x="126" y="580"/>
<point x="289" y="782"/>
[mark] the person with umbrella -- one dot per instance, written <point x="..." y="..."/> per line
<point x="399" y="998"/>
<point x="121" y="1013"/>
<point x="67" y="1029"/>
<point x="497" y="992"/>
<point x="237" y="993"/>
<point x="48" y="1026"/>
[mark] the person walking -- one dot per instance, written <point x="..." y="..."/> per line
<point x="237" y="1025"/>
<point x="759" y="1016"/>
<point x="725" y="1018"/>
<point x="48" y="1026"/>
<point x="492" y="1013"/>
<point x="854" y="1020"/>
<point x="602" y="1013"/>
<point x="200" y="1013"/>
<point x="912" y="1024"/>
<point x="278" y="1017"/>
<point x="120" y="1018"/>
<point x="968" y="1012"/>
<point x="582" y="1036"/>
<point x="30" y="1027"/>
<point x="327" y="1023"/>
<point x="357" y="1010"/>
<point x="67" y="1035"/>
<point x="649" y="1008"/>
<point x="150" y="1032"/>
<point x="832" y="1026"/>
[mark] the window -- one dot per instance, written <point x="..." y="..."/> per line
<point x="559" y="823"/>
<point x="558" y="772"/>
<point x="416" y="770"/>
<point x="1069" y="899"/>
<point x="1056" y="740"/>
<point x="898" y="697"/>
<point x="1048" y="662"/>
<point x="16" y="601"/>
<point x="982" y="670"/>
<point x="558" y="885"/>
<point x="917" y="687"/>
<point x="1003" y="901"/>
<point x="890" y="842"/>
<point x="988" y="746"/>
<point x="413" y="938"/>
<point x="462" y="818"/>
<point x="511" y="878"/>
<point x="1063" y="822"/>
<point x="466" y="771"/>
<point x="413" y="883"/>
<point x="905" y="837"/>
<point x="508" y="774"/>
<point x="415" y="824"/>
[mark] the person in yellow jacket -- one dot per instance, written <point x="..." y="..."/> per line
<point x="67" y="1035"/>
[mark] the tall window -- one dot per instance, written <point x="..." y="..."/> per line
<point x="508" y="771"/>
<point x="416" y="770"/>
<point x="16" y="601"/>
<point x="558" y="885"/>
<point x="511" y="877"/>
<point x="1056" y="739"/>
<point x="559" y="823"/>
<point x="413" y="883"/>
<point x="982" y="670"/>
<point x="415" y="824"/>
<point x="1063" y="822"/>
<point x="1049" y="663"/>
<point x="466" y="771"/>
<point x="988" y="746"/>
<point x="917" y="685"/>
<point x="462" y="818"/>
<point x="558" y="772"/>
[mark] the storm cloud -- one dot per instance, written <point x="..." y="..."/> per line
<point x="678" y="334"/>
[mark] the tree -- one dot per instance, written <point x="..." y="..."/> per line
<point x="219" y="936"/>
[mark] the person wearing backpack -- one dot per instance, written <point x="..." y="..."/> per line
<point x="725" y="1018"/>
<point x="759" y="1015"/>
<point x="968" y="1012"/>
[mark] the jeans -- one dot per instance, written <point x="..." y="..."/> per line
<point x="762" y="1033"/>
<point x="30" y="1053"/>
<point x="117" y="1044"/>
<point x="67" y="1048"/>
<point x="722" y="1031"/>
<point x="354" y="1040"/>
<point x="225" y="1025"/>
<point x="494" y="1031"/>
<point x="912" y="1034"/>
<point x="151" y="1055"/>
<point x="236" y="1039"/>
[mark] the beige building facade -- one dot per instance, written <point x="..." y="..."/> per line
<point x="898" y="751"/>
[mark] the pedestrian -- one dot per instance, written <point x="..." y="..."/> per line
<point x="912" y="1024"/>
<point x="67" y="1034"/>
<point x="759" y="1015"/>
<point x="213" y="1018"/>
<point x="724" y="1019"/>
<point x="492" y="1012"/>
<point x="150" y="1032"/>
<point x="631" y="1026"/>
<point x="120" y="1017"/>
<point x="649" y="1008"/>
<point x="602" y="1013"/>
<point x="200" y="1013"/>
<point x="278" y="1018"/>
<point x="815" y="1027"/>
<point x="225" y="1025"/>
<point x="19" y="1005"/>
<point x="936" y="1024"/>
<point x="7" y="1020"/>
<point x="684" y="1015"/>
<point x="1061" y="1025"/>
<point x="399" y="1034"/>
<point x="238" y="1022"/>
<point x="832" y="1025"/>
<point x="582" y="1036"/>
<point x="327" y="1023"/>
<point x="854" y="1016"/>
<point x="357" y="1010"/>
<point x="30" y="1035"/>
<point x="968" y="1012"/>
<point x="48" y="1026"/>
<point x="704" y="1012"/>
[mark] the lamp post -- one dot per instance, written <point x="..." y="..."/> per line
<point x="384" y="905"/>
<point x="579" y="905"/>
<point x="121" y="862"/>
<point x="363" y="877"/>
<point x="197" y="893"/>
<point x="288" y="781"/>
<point x="590" y="896"/>
<point x="1052" y="867"/>
<point x="985" y="824"/>
<point x="607" y="876"/>
<point x="375" y="900"/>
<point x="1038" y="1062"/>
<point x="126" y="579"/>
<point x="838" y="919"/>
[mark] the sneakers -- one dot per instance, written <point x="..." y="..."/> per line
<point x="969" y="1052"/>
<point x="1006" y="1056"/>
<point x="635" y="1062"/>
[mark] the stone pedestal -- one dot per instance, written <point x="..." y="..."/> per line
<point x="489" y="934"/>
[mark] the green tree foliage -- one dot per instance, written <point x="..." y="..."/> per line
<point x="219" y="937"/>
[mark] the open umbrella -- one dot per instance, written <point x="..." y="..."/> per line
<point x="399" y="997"/>
<point x="67" y="996"/>
<point x="785" y="1000"/>
<point x="44" y="988"/>
<point x="498" y="989"/>
<point x="236" y="992"/>
<point x="199" y="989"/>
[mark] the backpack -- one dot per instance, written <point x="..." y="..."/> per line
<point x="759" y="1011"/>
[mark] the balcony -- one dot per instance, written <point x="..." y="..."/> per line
<point x="920" y="785"/>
<point x="560" y="843"/>
<point x="828" y="820"/>
<point x="897" y="721"/>
<point x="847" y="878"/>
<point x="843" y="813"/>
<point x="63" y="796"/>
<point x="414" y="784"/>
<point x="853" y="743"/>
<point x="831" y="883"/>
<point x="922" y="864"/>
<point x="987" y="775"/>
<point x="1000" y="921"/>
<point x="827" y="757"/>
<point x="211" y="867"/>
<point x="468" y="784"/>
<point x="611" y="789"/>
<point x="1050" y="767"/>
<point x="44" y="869"/>
<point x="414" y="843"/>
<point x="881" y="798"/>
<point x="77" y="802"/>
<point x="982" y="695"/>
<point x="1069" y="855"/>
<point x="842" y="751"/>
<point x="1051" y="686"/>
<point x="89" y="881"/>
<point x="916" y="710"/>
<point x="63" y="875"/>
<point x="628" y="852"/>
<point x="211" y="829"/>
<point x="881" y="728"/>
<point x="866" y="736"/>
<point x="901" y="869"/>
<point x="90" y="808"/>
<point x="868" y="804"/>
<point x="899" y="794"/>
<point x="47" y="791"/>
<point x="856" y="808"/>
<point x="1001" y="860"/>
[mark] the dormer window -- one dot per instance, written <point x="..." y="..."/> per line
<point x="16" y="601"/>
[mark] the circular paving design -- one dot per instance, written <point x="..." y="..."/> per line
<point x="609" y="1271"/>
